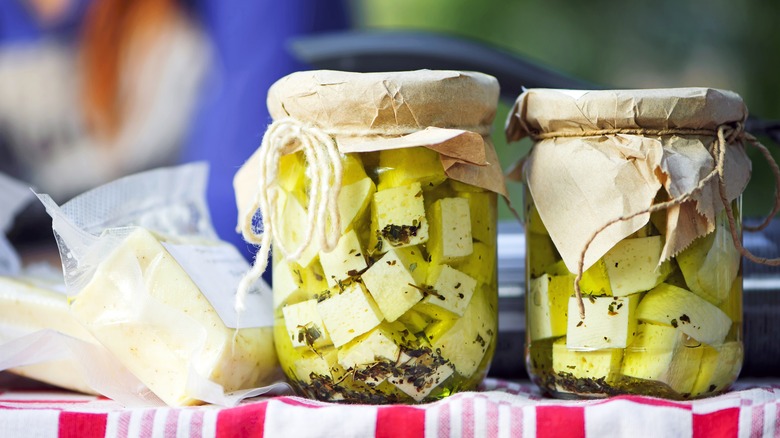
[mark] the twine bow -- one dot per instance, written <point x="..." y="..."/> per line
<point x="724" y="136"/>
<point x="324" y="171"/>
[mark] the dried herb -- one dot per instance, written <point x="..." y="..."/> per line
<point x="397" y="235"/>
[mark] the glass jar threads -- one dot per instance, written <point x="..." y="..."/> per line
<point x="379" y="193"/>
<point x="634" y="281"/>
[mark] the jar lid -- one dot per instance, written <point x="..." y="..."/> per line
<point x="547" y="110"/>
<point x="386" y="103"/>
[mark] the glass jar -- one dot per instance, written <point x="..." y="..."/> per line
<point x="403" y="309"/>
<point x="661" y="307"/>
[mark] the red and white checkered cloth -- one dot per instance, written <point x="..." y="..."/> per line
<point x="500" y="409"/>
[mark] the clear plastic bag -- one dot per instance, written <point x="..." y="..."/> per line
<point x="148" y="278"/>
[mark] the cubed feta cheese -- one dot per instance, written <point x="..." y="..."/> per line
<point x="400" y="216"/>
<point x="395" y="279"/>
<point x="720" y="366"/>
<point x="482" y="206"/>
<point x="452" y="288"/>
<point x="675" y="306"/>
<point x="599" y="364"/>
<point x="450" y="228"/>
<point x="610" y="322"/>
<point x="349" y="314"/>
<point x="304" y="325"/>
<point x="292" y="226"/>
<point x="480" y="264"/>
<point x="405" y="165"/>
<point x="633" y="265"/>
<point x="548" y="306"/>
<point x="345" y="260"/>
<point x="374" y="346"/>
<point x="664" y="354"/>
<point x="429" y="383"/>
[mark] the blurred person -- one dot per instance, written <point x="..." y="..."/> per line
<point x="93" y="90"/>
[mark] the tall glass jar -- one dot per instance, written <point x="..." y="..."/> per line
<point x="661" y="278"/>
<point x="403" y="308"/>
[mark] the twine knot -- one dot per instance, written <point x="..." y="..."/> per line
<point x="324" y="171"/>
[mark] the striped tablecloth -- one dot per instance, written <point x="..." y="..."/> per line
<point x="500" y="409"/>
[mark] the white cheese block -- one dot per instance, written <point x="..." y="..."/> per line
<point x="675" y="306"/>
<point x="633" y="265"/>
<point x="391" y="280"/>
<point x="450" y="230"/>
<point x="711" y="263"/>
<point x="291" y="228"/>
<point x="720" y="366"/>
<point x="418" y="393"/>
<point x="548" y="306"/>
<point x="599" y="364"/>
<point x="481" y="264"/>
<point x="400" y="216"/>
<point x="287" y="284"/>
<point x="349" y="314"/>
<point x="464" y="345"/>
<point x="453" y="289"/>
<point x="353" y="201"/>
<point x="664" y="354"/>
<point x="610" y="322"/>
<point x="367" y="349"/>
<point x="304" y="325"/>
<point x="348" y="257"/>
<point x="482" y="207"/>
<point x="26" y="308"/>
<point x="143" y="307"/>
<point x="405" y="165"/>
<point x="311" y="364"/>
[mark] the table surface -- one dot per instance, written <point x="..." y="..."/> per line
<point x="498" y="409"/>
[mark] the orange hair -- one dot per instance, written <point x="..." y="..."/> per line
<point x="112" y="29"/>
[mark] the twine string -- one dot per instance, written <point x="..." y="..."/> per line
<point x="324" y="171"/>
<point x="724" y="136"/>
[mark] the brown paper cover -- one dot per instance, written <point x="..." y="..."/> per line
<point x="579" y="184"/>
<point x="450" y="112"/>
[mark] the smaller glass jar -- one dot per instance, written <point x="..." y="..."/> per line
<point x="403" y="309"/>
<point x="661" y="311"/>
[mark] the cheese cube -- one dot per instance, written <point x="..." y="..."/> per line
<point x="367" y="349"/>
<point x="633" y="265"/>
<point x="292" y="175"/>
<point x="453" y="289"/>
<point x="395" y="279"/>
<point x="540" y="254"/>
<point x="610" y="322"/>
<point x="595" y="280"/>
<point x="352" y="169"/>
<point x="353" y="201"/>
<point x="291" y="228"/>
<point x="671" y="305"/>
<point x="349" y="314"/>
<point x="480" y="264"/>
<point x="465" y="344"/>
<point x="732" y="305"/>
<point x="711" y="263"/>
<point x="174" y="330"/>
<point x="664" y="354"/>
<point x="288" y="284"/>
<point x="406" y="165"/>
<point x="311" y="365"/>
<point x="547" y="306"/>
<point x="720" y="366"/>
<point x="429" y="383"/>
<point x="346" y="260"/>
<point x="304" y="325"/>
<point x="413" y="321"/>
<point x="482" y="206"/>
<point x="450" y="238"/>
<point x="400" y="216"/>
<point x="599" y="364"/>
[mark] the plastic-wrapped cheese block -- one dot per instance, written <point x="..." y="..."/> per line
<point x="144" y="307"/>
<point x="26" y="308"/>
